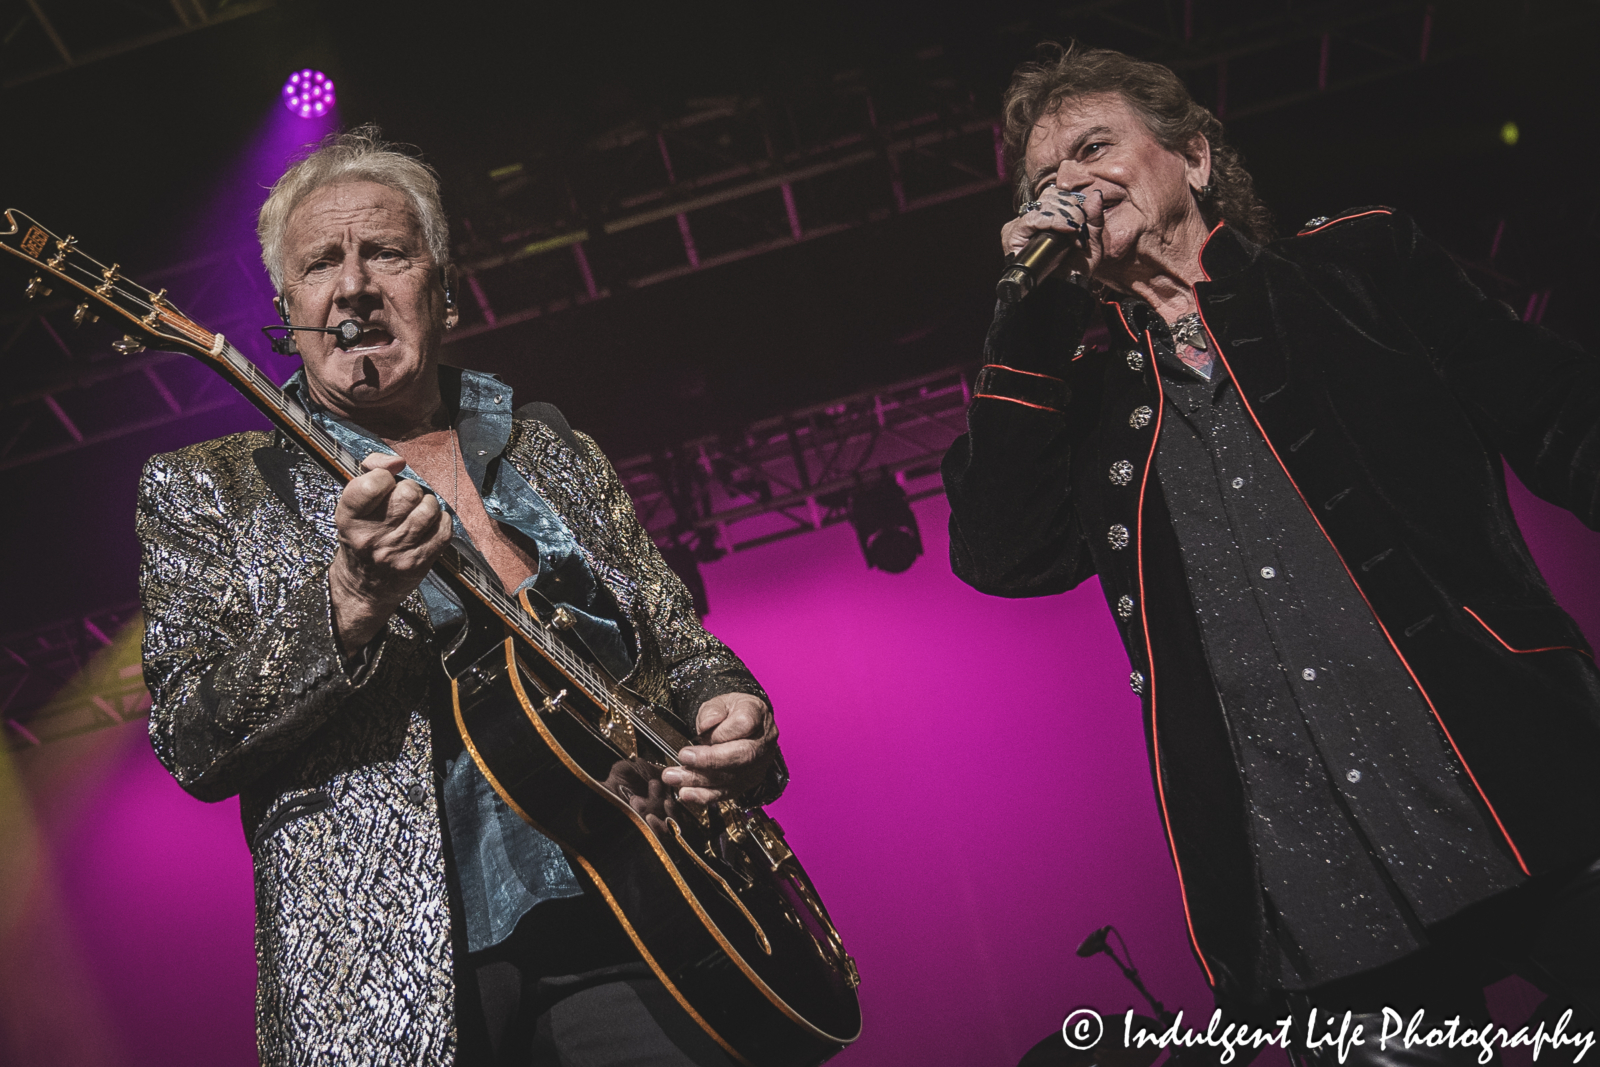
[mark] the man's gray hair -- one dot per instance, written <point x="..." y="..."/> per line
<point x="361" y="155"/>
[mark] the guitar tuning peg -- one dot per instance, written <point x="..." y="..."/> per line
<point x="37" y="287"/>
<point x="63" y="246"/>
<point x="128" y="344"/>
<point x="82" y="314"/>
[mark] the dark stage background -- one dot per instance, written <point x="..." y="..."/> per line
<point x="720" y="236"/>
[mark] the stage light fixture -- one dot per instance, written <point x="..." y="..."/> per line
<point x="308" y="93"/>
<point x="885" y="526"/>
<point x="1509" y="134"/>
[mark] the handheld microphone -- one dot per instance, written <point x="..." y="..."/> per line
<point x="1027" y="267"/>
<point x="348" y="332"/>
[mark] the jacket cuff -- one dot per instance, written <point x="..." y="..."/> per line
<point x="715" y="685"/>
<point x="1039" y="334"/>
<point x="996" y="381"/>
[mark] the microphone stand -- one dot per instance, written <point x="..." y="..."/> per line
<point x="1131" y="973"/>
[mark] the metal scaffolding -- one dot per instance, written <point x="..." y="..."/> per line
<point x="71" y="677"/>
<point x="52" y="36"/>
<point x="795" y="473"/>
<point x="728" y="179"/>
<point x="731" y="179"/>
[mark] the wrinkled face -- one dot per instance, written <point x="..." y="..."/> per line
<point x="1100" y="142"/>
<point x="356" y="250"/>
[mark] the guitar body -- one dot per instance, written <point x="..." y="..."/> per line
<point x="718" y="906"/>
<point x="714" y="900"/>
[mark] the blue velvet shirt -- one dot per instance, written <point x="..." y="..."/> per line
<point x="503" y="865"/>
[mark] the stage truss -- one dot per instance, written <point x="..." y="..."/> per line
<point x="46" y="37"/>
<point x="654" y="200"/>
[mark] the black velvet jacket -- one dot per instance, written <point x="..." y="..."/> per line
<point x="1389" y="388"/>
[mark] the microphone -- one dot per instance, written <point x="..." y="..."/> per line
<point x="348" y="332"/>
<point x="1095" y="943"/>
<point x="1025" y="270"/>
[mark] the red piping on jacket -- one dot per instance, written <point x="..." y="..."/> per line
<point x="1522" y="651"/>
<point x="1024" y="403"/>
<point x="1340" y="556"/>
<point x="1200" y="261"/>
<point x="1014" y="370"/>
<point x="1131" y="335"/>
<point x="1150" y="664"/>
<point x="1333" y="222"/>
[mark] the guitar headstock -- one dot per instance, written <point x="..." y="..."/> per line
<point x="58" y="261"/>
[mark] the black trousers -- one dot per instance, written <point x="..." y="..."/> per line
<point x="1547" y="932"/>
<point x="568" y="989"/>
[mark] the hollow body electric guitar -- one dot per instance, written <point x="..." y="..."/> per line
<point x="715" y="900"/>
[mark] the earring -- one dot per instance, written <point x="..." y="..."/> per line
<point x="1205" y="192"/>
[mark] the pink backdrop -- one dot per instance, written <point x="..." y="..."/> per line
<point x="970" y="792"/>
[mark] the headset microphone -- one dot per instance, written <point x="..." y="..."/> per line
<point x="347" y="332"/>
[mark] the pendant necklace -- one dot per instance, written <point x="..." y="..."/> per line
<point x="455" y="469"/>
<point x="1188" y="330"/>
<point x="1189" y="342"/>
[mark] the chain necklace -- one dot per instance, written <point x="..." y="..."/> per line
<point x="455" y="468"/>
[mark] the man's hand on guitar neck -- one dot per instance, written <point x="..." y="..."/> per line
<point x="391" y="531"/>
<point x="741" y="741"/>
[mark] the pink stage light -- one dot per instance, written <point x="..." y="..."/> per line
<point x="308" y="93"/>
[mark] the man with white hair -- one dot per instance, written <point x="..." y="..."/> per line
<point x="404" y="913"/>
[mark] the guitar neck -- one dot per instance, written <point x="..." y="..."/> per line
<point x="288" y="416"/>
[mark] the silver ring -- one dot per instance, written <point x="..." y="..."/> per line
<point x="1077" y="198"/>
<point x="1031" y="205"/>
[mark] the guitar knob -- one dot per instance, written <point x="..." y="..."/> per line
<point x="82" y="314"/>
<point x="37" y="287"/>
<point x="127" y="344"/>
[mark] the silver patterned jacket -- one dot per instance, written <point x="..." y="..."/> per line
<point x="335" y="770"/>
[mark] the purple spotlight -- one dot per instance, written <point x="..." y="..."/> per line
<point x="308" y="92"/>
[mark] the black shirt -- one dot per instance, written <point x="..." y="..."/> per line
<point x="1364" y="829"/>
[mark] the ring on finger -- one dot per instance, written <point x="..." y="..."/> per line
<point x="1076" y="197"/>
<point x="1031" y="205"/>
